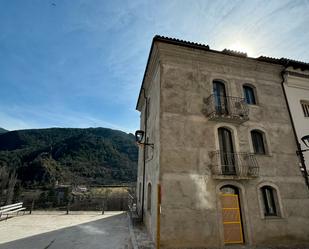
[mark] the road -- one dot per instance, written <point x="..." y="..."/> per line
<point x="59" y="231"/>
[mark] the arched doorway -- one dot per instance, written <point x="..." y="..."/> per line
<point x="231" y="215"/>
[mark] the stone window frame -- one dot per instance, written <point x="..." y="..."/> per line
<point x="265" y="140"/>
<point x="233" y="130"/>
<point x="269" y="197"/>
<point x="277" y="197"/>
<point x="253" y="87"/>
<point x="258" y="142"/>
<point x="224" y="81"/>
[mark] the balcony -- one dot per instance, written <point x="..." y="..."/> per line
<point x="226" y="108"/>
<point x="239" y="165"/>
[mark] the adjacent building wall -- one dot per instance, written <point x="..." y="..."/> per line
<point x="297" y="90"/>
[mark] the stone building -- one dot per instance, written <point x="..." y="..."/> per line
<point x="217" y="163"/>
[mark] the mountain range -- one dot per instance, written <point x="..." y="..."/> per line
<point x="42" y="157"/>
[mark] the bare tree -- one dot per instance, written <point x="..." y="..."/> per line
<point x="7" y="184"/>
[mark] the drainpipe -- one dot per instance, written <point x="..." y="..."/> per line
<point x="144" y="151"/>
<point x="299" y="150"/>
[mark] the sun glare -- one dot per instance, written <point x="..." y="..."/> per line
<point x="241" y="47"/>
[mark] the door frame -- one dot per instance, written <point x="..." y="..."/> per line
<point x="244" y="212"/>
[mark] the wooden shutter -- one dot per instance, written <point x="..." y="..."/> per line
<point x="231" y="219"/>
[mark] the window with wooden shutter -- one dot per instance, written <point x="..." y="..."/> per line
<point x="258" y="142"/>
<point x="269" y="201"/>
<point x="249" y="95"/>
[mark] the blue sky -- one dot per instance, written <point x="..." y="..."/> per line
<point x="80" y="63"/>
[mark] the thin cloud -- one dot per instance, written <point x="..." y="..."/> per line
<point x="81" y="64"/>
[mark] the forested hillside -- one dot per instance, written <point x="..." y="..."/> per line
<point x="42" y="157"/>
<point x="2" y="130"/>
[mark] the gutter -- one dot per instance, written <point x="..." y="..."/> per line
<point x="299" y="150"/>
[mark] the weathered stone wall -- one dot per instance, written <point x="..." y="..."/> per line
<point x="191" y="215"/>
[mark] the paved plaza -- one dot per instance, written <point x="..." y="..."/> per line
<point x="61" y="231"/>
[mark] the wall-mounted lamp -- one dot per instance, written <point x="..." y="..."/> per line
<point x="139" y="136"/>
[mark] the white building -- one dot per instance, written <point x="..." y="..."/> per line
<point x="296" y="86"/>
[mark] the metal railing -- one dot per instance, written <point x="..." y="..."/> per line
<point x="220" y="107"/>
<point x="241" y="164"/>
<point x="135" y="216"/>
<point x="132" y="206"/>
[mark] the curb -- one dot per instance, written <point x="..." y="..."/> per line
<point x="132" y="235"/>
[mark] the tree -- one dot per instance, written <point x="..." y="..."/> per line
<point x="8" y="181"/>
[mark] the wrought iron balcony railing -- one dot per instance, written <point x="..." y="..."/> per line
<point x="226" y="108"/>
<point x="133" y="211"/>
<point x="240" y="165"/>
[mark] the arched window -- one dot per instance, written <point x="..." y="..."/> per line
<point x="249" y="95"/>
<point x="258" y="142"/>
<point x="220" y="98"/>
<point x="229" y="189"/>
<point x="149" y="197"/>
<point x="269" y="201"/>
<point x="219" y="88"/>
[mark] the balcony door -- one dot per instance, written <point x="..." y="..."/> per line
<point x="227" y="155"/>
<point x="220" y="97"/>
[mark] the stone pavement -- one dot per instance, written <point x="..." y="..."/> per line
<point x="60" y="231"/>
<point x="139" y="236"/>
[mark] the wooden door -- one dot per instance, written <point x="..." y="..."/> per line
<point x="232" y="226"/>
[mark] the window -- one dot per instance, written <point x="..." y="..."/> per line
<point x="149" y="197"/>
<point x="220" y="97"/>
<point x="229" y="189"/>
<point x="268" y="194"/>
<point x="305" y="106"/>
<point x="258" y="142"/>
<point x="249" y="95"/>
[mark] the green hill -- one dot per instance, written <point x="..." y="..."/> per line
<point x="69" y="156"/>
<point x="3" y="130"/>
